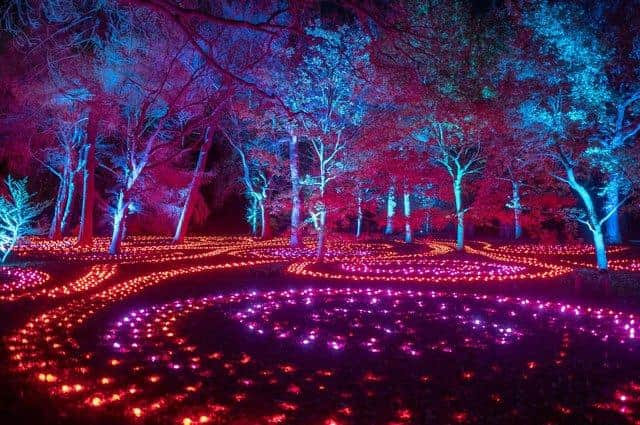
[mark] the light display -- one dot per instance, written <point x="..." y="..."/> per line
<point x="18" y="282"/>
<point x="573" y="256"/>
<point x="214" y="358"/>
<point x="377" y="141"/>
<point x="548" y="250"/>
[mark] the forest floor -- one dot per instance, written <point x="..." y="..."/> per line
<point x="232" y="330"/>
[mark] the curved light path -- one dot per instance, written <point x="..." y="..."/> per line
<point x="572" y="256"/>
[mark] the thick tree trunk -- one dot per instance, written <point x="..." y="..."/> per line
<point x="85" y="234"/>
<point x="194" y="186"/>
<point x="601" y="251"/>
<point x="408" y="235"/>
<point x="594" y="223"/>
<point x="460" y="232"/>
<point x="253" y="215"/>
<point x="612" y="225"/>
<point x="391" y="210"/>
<point x="457" y="191"/>
<point x="517" y="227"/>
<point x="296" y="204"/>
<point x="119" y="219"/>
<point x="265" y="226"/>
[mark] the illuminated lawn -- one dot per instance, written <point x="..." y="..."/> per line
<point x="232" y="330"/>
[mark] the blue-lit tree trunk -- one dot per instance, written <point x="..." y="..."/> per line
<point x="85" y="233"/>
<point x="295" y="239"/>
<point x="119" y="219"/>
<point x="67" y="165"/>
<point x="515" y="204"/>
<point x="426" y="228"/>
<point x="55" y="230"/>
<point x="406" y="198"/>
<point x="359" y="216"/>
<point x="591" y="220"/>
<point x="194" y="186"/>
<point x="71" y="186"/>
<point x="132" y="167"/>
<point x="257" y="187"/>
<point x="612" y="225"/>
<point x="391" y="210"/>
<point x="326" y="149"/>
<point x="322" y="232"/>
<point x="75" y="162"/>
<point x="590" y="217"/>
<point x="265" y="227"/>
<point x="457" y="193"/>
<point x="321" y="207"/>
<point x="252" y="215"/>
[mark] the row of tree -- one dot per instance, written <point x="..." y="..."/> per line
<point x="328" y="115"/>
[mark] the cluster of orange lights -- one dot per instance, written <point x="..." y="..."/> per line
<point x="570" y="256"/>
<point x="43" y="345"/>
<point x="415" y="268"/>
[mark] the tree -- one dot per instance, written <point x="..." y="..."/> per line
<point x="295" y="239"/>
<point x="572" y="89"/>
<point x="194" y="185"/>
<point x="618" y="26"/>
<point x="327" y="84"/>
<point x="69" y="47"/>
<point x="17" y="215"/>
<point x="461" y="157"/>
<point x="252" y="139"/>
<point x="65" y="159"/>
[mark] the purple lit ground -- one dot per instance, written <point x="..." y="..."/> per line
<point x="235" y="331"/>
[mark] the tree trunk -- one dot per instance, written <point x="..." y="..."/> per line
<point x="517" y="228"/>
<point x="517" y="209"/>
<point x="10" y="246"/>
<point x="71" y="187"/>
<point x="322" y="230"/>
<point x="457" y="191"/>
<point x="601" y="251"/>
<point x="427" y="224"/>
<point x="55" y="231"/>
<point x="252" y="214"/>
<point x="594" y="224"/>
<point x="359" y="218"/>
<point x="408" y="235"/>
<point x="612" y="225"/>
<point x="6" y="253"/>
<point x="296" y="203"/>
<point x="196" y="179"/>
<point x="391" y="210"/>
<point x="119" y="217"/>
<point x="85" y="234"/>
<point x="265" y="232"/>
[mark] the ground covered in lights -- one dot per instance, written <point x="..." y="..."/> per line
<point x="230" y="330"/>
